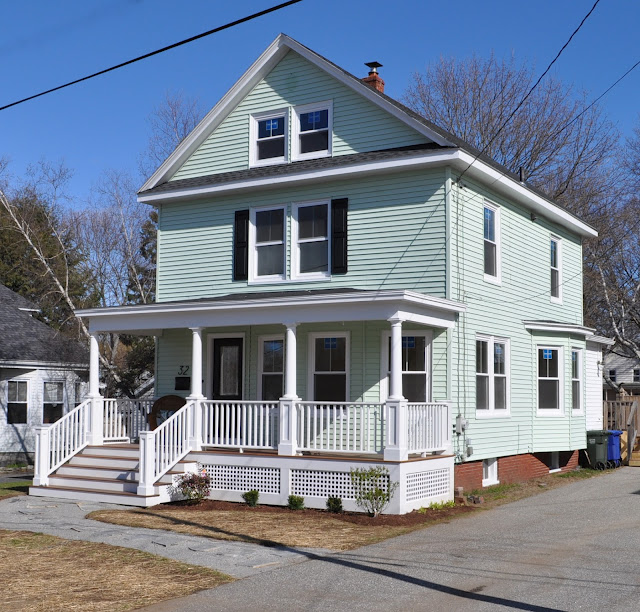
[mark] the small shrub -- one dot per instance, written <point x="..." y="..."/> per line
<point x="295" y="502"/>
<point x="251" y="497"/>
<point x="438" y="506"/>
<point x="195" y="486"/>
<point x="373" y="488"/>
<point x="334" y="504"/>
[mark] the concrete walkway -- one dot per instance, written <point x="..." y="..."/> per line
<point x="67" y="519"/>
<point x="572" y="548"/>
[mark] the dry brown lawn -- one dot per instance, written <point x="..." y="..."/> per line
<point x="46" y="573"/>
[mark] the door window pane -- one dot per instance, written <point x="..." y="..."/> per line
<point x="229" y="370"/>
<point x="272" y="369"/>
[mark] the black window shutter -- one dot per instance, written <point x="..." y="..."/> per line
<point x="241" y="246"/>
<point x="339" y="236"/>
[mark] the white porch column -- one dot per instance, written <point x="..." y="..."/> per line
<point x="396" y="447"/>
<point x="288" y="414"/>
<point x="96" y="433"/>
<point x="195" y="436"/>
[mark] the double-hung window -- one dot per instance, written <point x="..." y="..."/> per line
<point x="17" y="401"/>
<point x="576" y="379"/>
<point x="53" y="402"/>
<point x="269" y="138"/>
<point x="636" y="376"/>
<point x="416" y="358"/>
<point x="556" y="270"/>
<point x="267" y="235"/>
<point x="492" y="376"/>
<point x="329" y="356"/>
<point x="491" y="223"/>
<point x="312" y="131"/>
<point x="271" y="365"/>
<point x="311" y="231"/>
<point x="550" y="379"/>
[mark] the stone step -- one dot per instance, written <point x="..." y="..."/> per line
<point x="125" y="499"/>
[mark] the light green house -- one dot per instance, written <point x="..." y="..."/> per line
<point x="341" y="281"/>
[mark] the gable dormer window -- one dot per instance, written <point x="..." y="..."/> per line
<point x="269" y="138"/>
<point x="312" y="131"/>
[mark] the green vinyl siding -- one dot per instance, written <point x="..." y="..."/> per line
<point x="500" y="310"/>
<point x="358" y="125"/>
<point x="396" y="225"/>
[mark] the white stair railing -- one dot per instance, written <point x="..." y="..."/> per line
<point x="429" y="427"/>
<point x="240" y="424"/>
<point x="345" y="427"/>
<point x="58" y="442"/>
<point x="125" y="418"/>
<point x="163" y="447"/>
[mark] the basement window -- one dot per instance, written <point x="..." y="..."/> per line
<point x="490" y="472"/>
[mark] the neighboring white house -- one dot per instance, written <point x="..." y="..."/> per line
<point x="623" y="371"/>
<point x="42" y="376"/>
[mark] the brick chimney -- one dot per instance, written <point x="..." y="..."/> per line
<point x="373" y="80"/>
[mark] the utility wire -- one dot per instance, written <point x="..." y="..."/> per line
<point x="526" y="97"/>
<point x="157" y="52"/>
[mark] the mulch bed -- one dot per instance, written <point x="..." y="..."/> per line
<point x="357" y="518"/>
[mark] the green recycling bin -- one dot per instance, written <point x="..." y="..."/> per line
<point x="597" y="442"/>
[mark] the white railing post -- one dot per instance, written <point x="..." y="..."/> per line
<point x="43" y="451"/>
<point x="147" y="463"/>
<point x="288" y="409"/>
<point x="196" y="412"/>
<point x="397" y="445"/>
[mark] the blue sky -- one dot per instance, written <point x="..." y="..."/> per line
<point x="102" y="124"/>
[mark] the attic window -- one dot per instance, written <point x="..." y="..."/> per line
<point x="269" y="135"/>
<point x="312" y="131"/>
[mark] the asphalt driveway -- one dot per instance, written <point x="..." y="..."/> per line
<point x="572" y="548"/>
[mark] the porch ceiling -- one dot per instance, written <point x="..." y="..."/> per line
<point x="283" y="308"/>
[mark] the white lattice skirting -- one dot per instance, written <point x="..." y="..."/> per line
<point x="277" y="477"/>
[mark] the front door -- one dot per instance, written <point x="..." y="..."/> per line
<point x="227" y="369"/>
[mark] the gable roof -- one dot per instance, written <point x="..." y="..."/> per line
<point x="27" y="341"/>
<point x="473" y="161"/>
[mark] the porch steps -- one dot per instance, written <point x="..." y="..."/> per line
<point x="107" y="474"/>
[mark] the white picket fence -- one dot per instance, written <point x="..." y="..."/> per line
<point x="346" y="427"/>
<point x="240" y="424"/>
<point x="428" y="427"/>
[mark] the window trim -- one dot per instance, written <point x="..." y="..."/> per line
<point x="551" y="412"/>
<point x="253" y="137"/>
<point x="78" y="385"/>
<point x="18" y="380"/>
<point x="490" y="467"/>
<point x="556" y="299"/>
<point x="385" y="365"/>
<point x="492" y="412"/>
<point x="295" y="255"/>
<point x="580" y="379"/>
<point x="613" y="375"/>
<point x="295" y="130"/>
<point x="497" y="279"/>
<point x="65" y="397"/>
<point x="253" y="247"/>
<point x="311" y="340"/>
<point x="261" y="341"/>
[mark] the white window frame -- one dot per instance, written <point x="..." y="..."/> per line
<point x="385" y="366"/>
<point x="295" y="255"/>
<point x="556" y="299"/>
<point x="295" y="130"/>
<point x="497" y="279"/>
<point x="261" y="341"/>
<point x="208" y="366"/>
<point x="18" y="380"/>
<point x="311" y="339"/>
<point x="253" y="247"/>
<point x="253" y="136"/>
<point x="490" y="472"/>
<point x="55" y="381"/>
<point x="580" y="380"/>
<point x="491" y="411"/>
<point x="552" y="412"/>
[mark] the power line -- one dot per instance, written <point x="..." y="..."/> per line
<point x="156" y="52"/>
<point x="526" y="97"/>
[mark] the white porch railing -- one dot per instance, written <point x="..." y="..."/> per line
<point x="163" y="447"/>
<point x="346" y="427"/>
<point x="240" y="424"/>
<point x="57" y="443"/>
<point x="429" y="427"/>
<point x="124" y="419"/>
